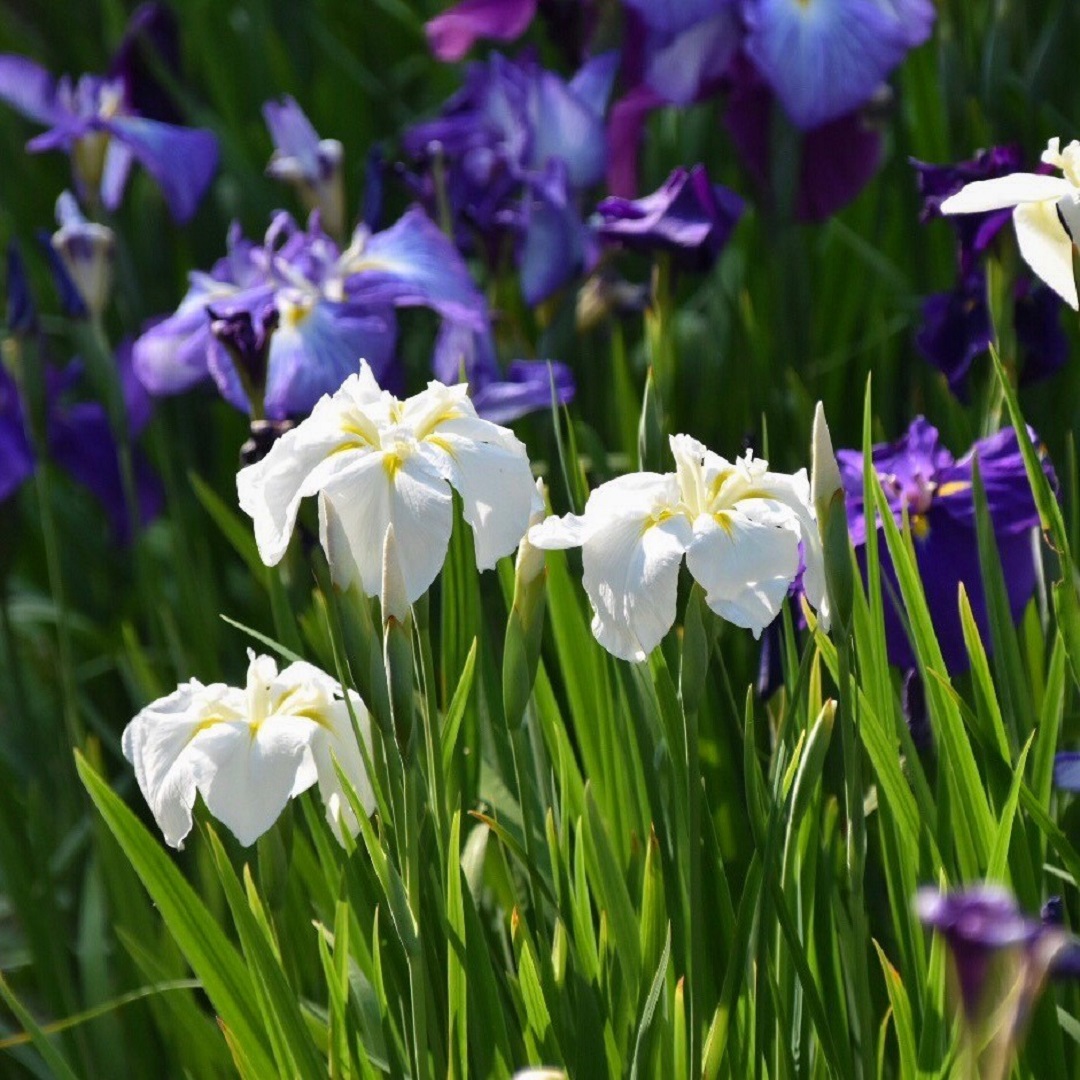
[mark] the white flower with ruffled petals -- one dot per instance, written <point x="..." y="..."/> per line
<point x="739" y="526"/>
<point x="1046" y="215"/>
<point x="248" y="751"/>
<point x="375" y="461"/>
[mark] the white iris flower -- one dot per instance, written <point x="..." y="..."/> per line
<point x="740" y="527"/>
<point x="375" y="461"/>
<point x="248" y="751"/>
<point x="1046" y="215"/>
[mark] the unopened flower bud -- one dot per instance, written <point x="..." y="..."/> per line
<point x="86" y="250"/>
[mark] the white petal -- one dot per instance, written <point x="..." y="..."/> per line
<point x="631" y="576"/>
<point x="248" y="778"/>
<point x="158" y="744"/>
<point x="556" y="533"/>
<point x="490" y="469"/>
<point x="746" y="565"/>
<point x="982" y="195"/>
<point x="336" y="740"/>
<point x="1046" y="248"/>
<point x="418" y="503"/>
<point x="298" y="464"/>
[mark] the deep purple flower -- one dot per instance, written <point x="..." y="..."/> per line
<point x="513" y="151"/>
<point x="837" y="160"/>
<point x="16" y="455"/>
<point x="97" y="120"/>
<point x="78" y="439"/>
<point x="312" y="165"/>
<point x="1067" y="770"/>
<point x="956" y="328"/>
<point x="334" y="308"/>
<point x="919" y="473"/>
<point x="462" y="354"/>
<point x="979" y="925"/>
<point x="452" y="34"/>
<point x="687" y="216"/>
<point x="826" y="58"/>
<point x="21" y="315"/>
<point x="151" y="40"/>
<point x="937" y="182"/>
<point x="956" y="324"/>
<point x="1043" y="346"/>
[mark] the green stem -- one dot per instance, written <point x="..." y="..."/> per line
<point x="856" y="860"/>
<point x="417" y="974"/>
<point x="695" y="958"/>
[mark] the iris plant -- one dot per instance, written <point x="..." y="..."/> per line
<point x="957" y="326"/>
<point x="743" y="530"/>
<point x="920" y="475"/>
<point x="99" y="121"/>
<point x="375" y="461"/>
<point x="333" y="306"/>
<point x="248" y="751"/>
<point x="509" y="158"/>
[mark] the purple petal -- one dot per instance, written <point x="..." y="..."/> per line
<point x="413" y="263"/>
<point x="451" y="34"/>
<point x="837" y="159"/>
<point x="566" y="129"/>
<point x="151" y="40"/>
<point x="139" y="404"/>
<point x="81" y="442"/>
<point x="687" y="215"/>
<point x="114" y="177"/>
<point x="1067" y="770"/>
<point x="825" y="58"/>
<point x="956" y="329"/>
<point x="30" y="89"/>
<point x="312" y="356"/>
<point x="692" y="63"/>
<point x="672" y="16"/>
<point x="527" y="388"/>
<point x="292" y="133"/>
<point x="181" y="160"/>
<point x="1043" y="344"/>
<point x="16" y="456"/>
<point x="594" y="80"/>
<point x="553" y="251"/>
<point x="626" y="128"/>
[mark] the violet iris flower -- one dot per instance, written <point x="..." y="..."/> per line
<point x="463" y="354"/>
<point x="79" y="440"/>
<point x="956" y="326"/>
<point x="687" y="216"/>
<point x="982" y="924"/>
<point x="916" y="471"/>
<point x="516" y="147"/>
<point x="334" y="307"/>
<point x="95" y="121"/>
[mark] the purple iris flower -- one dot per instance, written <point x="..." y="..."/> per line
<point x="916" y="471"/>
<point x="688" y="216"/>
<point x="462" y="353"/>
<point x="310" y="164"/>
<point x="21" y="315"/>
<point x="982" y="924"/>
<point x="78" y="439"/>
<point x="97" y="120"/>
<point x="1067" y="770"/>
<point x="826" y="58"/>
<point x="151" y="41"/>
<point x="956" y="326"/>
<point x="333" y="308"/>
<point x="514" y="150"/>
<point x="452" y="34"/>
